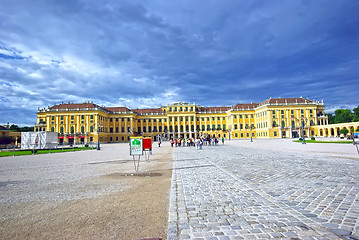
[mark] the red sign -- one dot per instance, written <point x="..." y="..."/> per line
<point x="61" y="137"/>
<point x="70" y="137"/>
<point x="81" y="136"/>
<point x="147" y="144"/>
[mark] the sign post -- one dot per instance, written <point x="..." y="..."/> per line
<point x="136" y="150"/>
<point x="356" y="140"/>
<point x="147" y="147"/>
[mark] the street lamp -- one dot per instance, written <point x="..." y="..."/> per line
<point x="250" y="127"/>
<point x="98" y="136"/>
<point x="302" y="122"/>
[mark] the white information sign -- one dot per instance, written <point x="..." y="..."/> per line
<point x="136" y="146"/>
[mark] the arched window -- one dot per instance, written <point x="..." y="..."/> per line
<point x="293" y="124"/>
<point x="72" y="130"/>
<point x="52" y="129"/>
<point x="82" y="129"/>
<point x="283" y="124"/>
<point x="176" y="128"/>
<point x="274" y="124"/>
<point x="61" y="129"/>
<point x="160" y="128"/>
<point x="91" y="129"/>
<point x="181" y="128"/>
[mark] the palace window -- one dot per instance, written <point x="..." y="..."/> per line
<point x="82" y="129"/>
<point x="72" y="130"/>
<point x="235" y="126"/>
<point x="52" y="129"/>
<point x="149" y="128"/>
<point x="62" y="117"/>
<point x="91" y="129"/>
<point x="72" y="117"/>
<point x="144" y="129"/>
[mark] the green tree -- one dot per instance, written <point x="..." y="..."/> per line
<point x="26" y="129"/>
<point x="356" y="114"/>
<point x="14" y="127"/>
<point x="330" y="118"/>
<point x="344" y="131"/>
<point x="343" y="116"/>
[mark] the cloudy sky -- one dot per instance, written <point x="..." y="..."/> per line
<point x="150" y="53"/>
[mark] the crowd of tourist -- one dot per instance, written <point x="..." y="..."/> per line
<point x="195" y="142"/>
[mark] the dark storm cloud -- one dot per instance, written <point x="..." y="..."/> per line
<point x="148" y="53"/>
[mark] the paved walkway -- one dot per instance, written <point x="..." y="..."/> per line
<point x="233" y="192"/>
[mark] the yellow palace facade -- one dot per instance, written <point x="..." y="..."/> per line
<point x="272" y="118"/>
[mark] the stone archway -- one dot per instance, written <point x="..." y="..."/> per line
<point x="332" y="132"/>
<point x="321" y="132"/>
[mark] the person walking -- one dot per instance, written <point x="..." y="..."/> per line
<point x="222" y="140"/>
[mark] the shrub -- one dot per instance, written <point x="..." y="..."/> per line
<point x="313" y="138"/>
<point x="341" y="137"/>
<point x="86" y="145"/>
<point x="300" y="139"/>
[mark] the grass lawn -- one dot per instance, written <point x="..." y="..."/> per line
<point x="314" y="141"/>
<point x="29" y="152"/>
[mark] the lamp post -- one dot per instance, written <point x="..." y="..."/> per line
<point x="98" y="136"/>
<point x="250" y="127"/>
<point x="304" y="121"/>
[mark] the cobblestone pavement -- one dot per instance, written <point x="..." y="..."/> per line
<point x="231" y="192"/>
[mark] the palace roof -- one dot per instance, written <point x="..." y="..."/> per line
<point x="118" y="109"/>
<point x="286" y="100"/>
<point x="74" y="106"/>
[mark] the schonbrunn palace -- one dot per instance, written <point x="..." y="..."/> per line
<point x="272" y="118"/>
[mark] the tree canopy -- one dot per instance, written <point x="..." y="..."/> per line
<point x="343" y="116"/>
<point x="16" y="128"/>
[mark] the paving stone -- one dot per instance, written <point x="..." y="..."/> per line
<point x="256" y="193"/>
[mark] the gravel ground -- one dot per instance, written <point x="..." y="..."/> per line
<point x="85" y="195"/>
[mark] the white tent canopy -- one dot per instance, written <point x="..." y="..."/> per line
<point x="38" y="140"/>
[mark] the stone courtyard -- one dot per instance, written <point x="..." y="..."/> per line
<point x="234" y="191"/>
